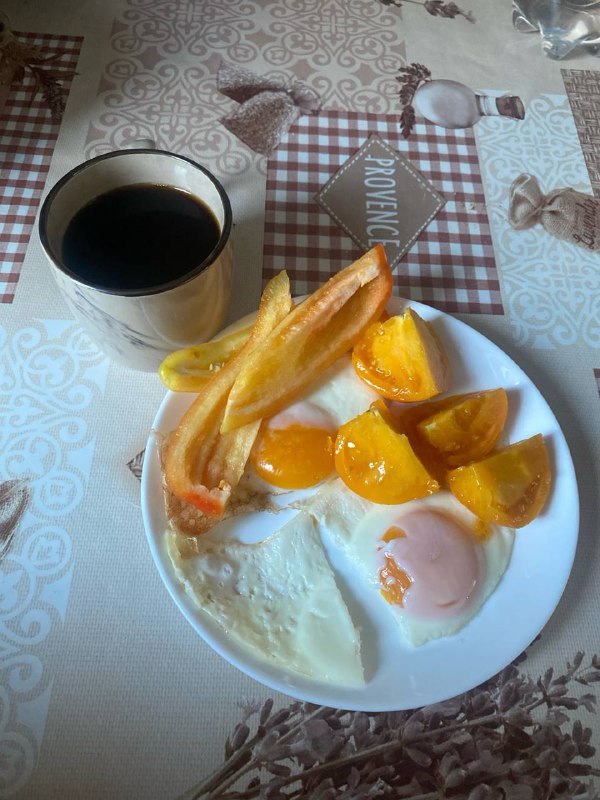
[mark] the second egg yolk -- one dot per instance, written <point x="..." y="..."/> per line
<point x="294" y="457"/>
<point x="394" y="581"/>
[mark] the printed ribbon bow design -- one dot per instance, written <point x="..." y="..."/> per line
<point x="267" y="107"/>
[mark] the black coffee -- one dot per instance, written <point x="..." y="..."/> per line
<point x="137" y="237"/>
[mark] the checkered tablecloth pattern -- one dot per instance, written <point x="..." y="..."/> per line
<point x="27" y="138"/>
<point x="451" y="265"/>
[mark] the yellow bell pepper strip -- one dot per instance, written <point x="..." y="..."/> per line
<point x="316" y="333"/>
<point x="188" y="369"/>
<point x="200" y="466"/>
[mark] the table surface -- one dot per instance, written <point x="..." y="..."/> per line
<point x="105" y="689"/>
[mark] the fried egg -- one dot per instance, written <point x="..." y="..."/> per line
<point x="294" y="448"/>
<point x="431" y="561"/>
<point x="277" y="598"/>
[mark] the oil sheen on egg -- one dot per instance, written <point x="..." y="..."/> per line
<point x="432" y="562"/>
<point x="277" y="598"/>
<point x="294" y="448"/>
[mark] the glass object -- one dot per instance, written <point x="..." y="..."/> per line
<point x="563" y="24"/>
<point x="453" y="105"/>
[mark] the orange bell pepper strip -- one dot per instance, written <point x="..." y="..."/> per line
<point x="314" y="335"/>
<point x="201" y="466"/>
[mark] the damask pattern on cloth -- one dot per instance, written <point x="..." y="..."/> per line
<point x="28" y="134"/>
<point x="451" y="265"/>
<point x="51" y="372"/>
<point x="551" y="288"/>
<point x="161" y="84"/>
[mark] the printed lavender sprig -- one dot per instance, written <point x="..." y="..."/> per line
<point x="410" y="78"/>
<point x="437" y="8"/>
<point x="511" y="738"/>
<point x="14" y="499"/>
<point x="17" y="58"/>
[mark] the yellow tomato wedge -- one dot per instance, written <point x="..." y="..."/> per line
<point x="316" y="333"/>
<point x="378" y="463"/>
<point x="509" y="487"/>
<point x="402" y="359"/>
<point x="201" y="466"/>
<point x="188" y="369"/>
<point x="461" y="428"/>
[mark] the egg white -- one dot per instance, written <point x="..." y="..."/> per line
<point x="277" y="598"/>
<point x="338" y="392"/>
<point x="356" y="526"/>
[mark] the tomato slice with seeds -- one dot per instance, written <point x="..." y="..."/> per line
<point x="378" y="463"/>
<point x="509" y="487"/>
<point x="402" y="359"/>
<point x="466" y="427"/>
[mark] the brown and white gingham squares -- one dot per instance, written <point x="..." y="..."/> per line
<point x="27" y="138"/>
<point x="450" y="266"/>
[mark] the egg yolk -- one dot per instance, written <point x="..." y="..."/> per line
<point x="394" y="580"/>
<point x="294" y="457"/>
<point x="432" y="566"/>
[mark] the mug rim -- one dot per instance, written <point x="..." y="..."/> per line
<point x="156" y="288"/>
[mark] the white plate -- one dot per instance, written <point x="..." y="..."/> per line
<point x="399" y="676"/>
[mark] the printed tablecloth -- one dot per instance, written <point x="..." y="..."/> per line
<point x="105" y="690"/>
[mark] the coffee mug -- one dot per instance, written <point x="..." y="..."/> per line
<point x="139" y="243"/>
